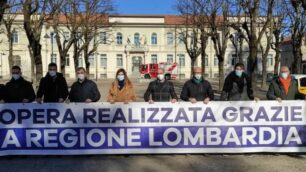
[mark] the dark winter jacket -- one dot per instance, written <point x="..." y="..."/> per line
<point x="160" y="91"/>
<point x="52" y="88"/>
<point x="276" y="89"/>
<point x="237" y="88"/>
<point x="2" y="90"/>
<point x="86" y="90"/>
<point x="199" y="91"/>
<point x="18" y="90"/>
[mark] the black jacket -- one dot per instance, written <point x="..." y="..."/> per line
<point x="235" y="87"/>
<point x="276" y="89"/>
<point x="2" y="90"/>
<point x="199" y="91"/>
<point x="17" y="90"/>
<point x="86" y="90"/>
<point x="160" y="91"/>
<point x="52" y="89"/>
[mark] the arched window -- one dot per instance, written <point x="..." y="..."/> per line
<point x="154" y="39"/>
<point x="119" y="38"/>
<point x="136" y="39"/>
<point x="169" y="38"/>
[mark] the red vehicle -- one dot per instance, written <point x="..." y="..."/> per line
<point x="149" y="71"/>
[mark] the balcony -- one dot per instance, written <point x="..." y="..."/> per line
<point x="136" y="48"/>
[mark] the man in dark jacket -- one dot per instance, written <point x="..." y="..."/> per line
<point x="84" y="90"/>
<point x="18" y="90"/>
<point x="284" y="87"/>
<point x="237" y="85"/>
<point x="160" y="90"/>
<point x="197" y="88"/>
<point x="53" y="87"/>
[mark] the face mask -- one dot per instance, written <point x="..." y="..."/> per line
<point x="16" y="76"/>
<point x="238" y="73"/>
<point x="161" y="77"/>
<point x="52" y="73"/>
<point x="198" y="76"/>
<point x="284" y="75"/>
<point x="81" y="77"/>
<point x="120" y="77"/>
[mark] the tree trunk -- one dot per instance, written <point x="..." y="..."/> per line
<point x="221" y="74"/>
<point x="192" y="66"/>
<point x="253" y="64"/>
<point x="297" y="54"/>
<point x="2" y="8"/>
<point x="63" y="63"/>
<point x="240" y="51"/>
<point x="10" y="57"/>
<point x="264" y="72"/>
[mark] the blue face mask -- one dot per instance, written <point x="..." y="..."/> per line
<point x="16" y="76"/>
<point x="120" y="77"/>
<point x="238" y="73"/>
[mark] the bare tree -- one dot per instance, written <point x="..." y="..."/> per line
<point x="9" y="22"/>
<point x="215" y="14"/>
<point x="34" y="13"/>
<point x="3" y="6"/>
<point x="277" y="27"/>
<point x="92" y="18"/>
<point x="297" y="17"/>
<point x="265" y="49"/>
<point x="256" y="20"/>
<point x="191" y="32"/>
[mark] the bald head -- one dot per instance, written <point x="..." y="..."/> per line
<point x="197" y="70"/>
<point x="284" y="69"/>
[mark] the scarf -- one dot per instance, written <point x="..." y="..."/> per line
<point x="285" y="83"/>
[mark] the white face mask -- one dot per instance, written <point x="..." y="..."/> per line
<point x="81" y="77"/>
<point x="161" y="77"/>
<point x="198" y="76"/>
<point x="284" y="75"/>
<point x="52" y="73"/>
<point x="120" y="77"/>
<point x="16" y="76"/>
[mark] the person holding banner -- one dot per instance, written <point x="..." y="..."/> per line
<point x="53" y="87"/>
<point x="160" y="90"/>
<point x="237" y="85"/>
<point x="284" y="87"/>
<point x="121" y="89"/>
<point x="18" y="90"/>
<point x="83" y="90"/>
<point x="197" y="88"/>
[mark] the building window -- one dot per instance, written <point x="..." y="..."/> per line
<point x="16" y="60"/>
<point x="53" y="58"/>
<point x="52" y="37"/>
<point x="215" y="61"/>
<point x="270" y="60"/>
<point x="91" y="60"/>
<point x="169" y="59"/>
<point x="182" y="60"/>
<point x="154" y="58"/>
<point x="15" y="37"/>
<point x="169" y="38"/>
<point x="80" y="61"/>
<point x="67" y="60"/>
<point x="137" y="39"/>
<point x="66" y="36"/>
<point x="119" y="38"/>
<point x="103" y="60"/>
<point x="181" y="39"/>
<point x="154" y="39"/>
<point x="206" y="61"/>
<point x="233" y="60"/>
<point x="119" y="60"/>
<point x="103" y="37"/>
